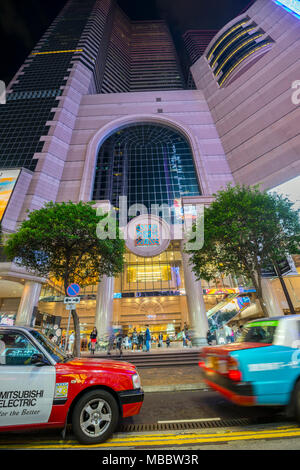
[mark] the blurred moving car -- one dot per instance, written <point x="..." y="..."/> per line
<point x="41" y="386"/>
<point x="261" y="368"/>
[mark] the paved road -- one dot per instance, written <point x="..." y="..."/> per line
<point x="189" y="405"/>
<point x="178" y="406"/>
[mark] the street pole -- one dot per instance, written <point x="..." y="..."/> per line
<point x="284" y="288"/>
<point x="68" y="328"/>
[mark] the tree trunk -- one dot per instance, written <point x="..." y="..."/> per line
<point x="259" y="295"/>
<point x="284" y="288"/>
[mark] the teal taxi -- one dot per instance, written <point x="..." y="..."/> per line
<point x="261" y="368"/>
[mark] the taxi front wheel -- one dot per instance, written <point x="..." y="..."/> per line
<point x="95" y="417"/>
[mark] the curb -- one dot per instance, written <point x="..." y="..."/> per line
<point x="174" y="387"/>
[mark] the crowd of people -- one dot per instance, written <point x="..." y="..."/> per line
<point x="143" y="341"/>
<point x="136" y="341"/>
<point x="224" y="334"/>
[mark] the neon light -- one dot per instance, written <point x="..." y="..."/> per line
<point x="236" y="50"/>
<point x="242" y="60"/>
<point x="224" y="37"/>
<point x="229" y="44"/>
<point x="292" y="6"/>
<point x="56" y="52"/>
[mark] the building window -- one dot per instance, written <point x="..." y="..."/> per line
<point x="150" y="164"/>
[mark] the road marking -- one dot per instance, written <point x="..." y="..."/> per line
<point x="202" y="420"/>
<point x="159" y="440"/>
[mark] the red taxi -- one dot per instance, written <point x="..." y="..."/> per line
<point x="42" y="387"/>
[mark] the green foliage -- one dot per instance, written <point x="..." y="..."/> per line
<point x="245" y="230"/>
<point x="60" y="240"/>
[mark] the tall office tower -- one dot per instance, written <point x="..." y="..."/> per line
<point x="196" y="41"/>
<point x="73" y="37"/>
<point x="96" y="33"/>
<point x="141" y="57"/>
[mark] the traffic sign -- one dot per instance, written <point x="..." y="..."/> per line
<point x="70" y="306"/>
<point x="73" y="290"/>
<point x="71" y="300"/>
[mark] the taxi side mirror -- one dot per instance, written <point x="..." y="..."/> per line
<point x="38" y="360"/>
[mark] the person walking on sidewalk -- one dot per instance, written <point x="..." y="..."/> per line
<point x="120" y="343"/>
<point x="93" y="338"/>
<point x="140" y="341"/>
<point x="134" y="339"/>
<point x="160" y="340"/>
<point x="184" y="338"/>
<point x="148" y="338"/>
<point x="111" y="341"/>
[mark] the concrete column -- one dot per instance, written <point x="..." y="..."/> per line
<point x="270" y="298"/>
<point x="104" y="306"/>
<point x="29" y="300"/>
<point x="195" y="301"/>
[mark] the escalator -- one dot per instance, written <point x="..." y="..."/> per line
<point x="222" y="313"/>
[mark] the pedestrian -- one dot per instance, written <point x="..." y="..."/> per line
<point x="111" y="341"/>
<point x="183" y="338"/>
<point x="120" y="343"/>
<point x="71" y="342"/>
<point x="140" y="341"/>
<point x="148" y="338"/>
<point x="168" y="341"/>
<point x="93" y="338"/>
<point x="239" y="332"/>
<point x="228" y="332"/>
<point x="126" y="342"/>
<point x="160" y="340"/>
<point x="209" y="337"/>
<point x="232" y="335"/>
<point x="134" y="339"/>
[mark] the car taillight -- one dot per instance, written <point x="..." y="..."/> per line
<point x="235" y="375"/>
<point x="233" y="370"/>
<point x="201" y="364"/>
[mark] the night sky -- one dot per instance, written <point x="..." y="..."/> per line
<point x="22" y="23"/>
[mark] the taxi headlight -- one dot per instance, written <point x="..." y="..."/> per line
<point x="136" y="381"/>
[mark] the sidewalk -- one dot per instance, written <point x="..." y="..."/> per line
<point x="171" y="379"/>
<point x="164" y="379"/>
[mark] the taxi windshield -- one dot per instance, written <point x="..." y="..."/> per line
<point x="259" y="332"/>
<point x="56" y="353"/>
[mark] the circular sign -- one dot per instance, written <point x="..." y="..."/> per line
<point x="147" y="235"/>
<point x="73" y="290"/>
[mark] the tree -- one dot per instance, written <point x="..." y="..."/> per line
<point x="245" y="231"/>
<point x="60" y="240"/>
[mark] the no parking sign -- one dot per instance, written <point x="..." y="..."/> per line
<point x="73" y="290"/>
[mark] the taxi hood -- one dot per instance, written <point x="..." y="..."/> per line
<point x="226" y="349"/>
<point x="99" y="363"/>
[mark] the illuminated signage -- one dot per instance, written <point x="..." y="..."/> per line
<point x="293" y="6"/>
<point x="147" y="234"/>
<point x="8" y="179"/>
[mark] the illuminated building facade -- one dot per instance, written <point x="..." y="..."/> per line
<point x="101" y="110"/>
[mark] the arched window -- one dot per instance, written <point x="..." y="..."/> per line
<point x="148" y="163"/>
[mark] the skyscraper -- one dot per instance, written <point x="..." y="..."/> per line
<point x="196" y="41"/>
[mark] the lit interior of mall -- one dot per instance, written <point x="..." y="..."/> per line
<point x="150" y="291"/>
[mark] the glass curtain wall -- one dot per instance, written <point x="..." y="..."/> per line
<point x="150" y="164"/>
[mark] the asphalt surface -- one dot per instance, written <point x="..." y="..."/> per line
<point x="198" y="404"/>
<point x="166" y="407"/>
